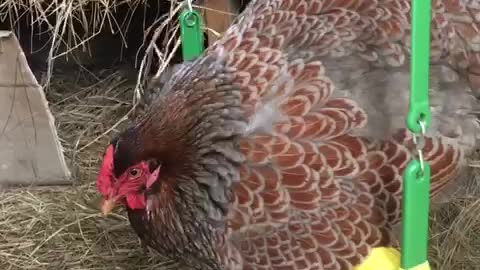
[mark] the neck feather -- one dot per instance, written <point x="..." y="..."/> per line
<point x="178" y="229"/>
<point x="192" y="129"/>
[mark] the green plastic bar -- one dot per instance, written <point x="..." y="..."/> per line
<point x="191" y="34"/>
<point x="416" y="204"/>
<point x="416" y="184"/>
<point x="419" y="106"/>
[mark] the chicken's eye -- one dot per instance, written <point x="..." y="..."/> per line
<point x="134" y="173"/>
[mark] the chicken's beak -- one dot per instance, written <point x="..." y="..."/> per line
<point x="108" y="205"/>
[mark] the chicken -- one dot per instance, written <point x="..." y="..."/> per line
<point x="283" y="146"/>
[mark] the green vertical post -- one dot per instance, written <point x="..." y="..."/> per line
<point x="416" y="182"/>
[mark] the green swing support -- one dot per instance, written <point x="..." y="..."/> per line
<point x="416" y="178"/>
<point x="191" y="33"/>
<point x="416" y="184"/>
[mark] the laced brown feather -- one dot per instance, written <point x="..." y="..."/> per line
<point x="283" y="146"/>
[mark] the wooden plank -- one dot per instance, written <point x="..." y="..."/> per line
<point x="31" y="153"/>
<point x="219" y="15"/>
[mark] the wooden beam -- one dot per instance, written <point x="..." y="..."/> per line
<point x="218" y="15"/>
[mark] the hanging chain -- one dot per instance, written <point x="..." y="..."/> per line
<point x="419" y="141"/>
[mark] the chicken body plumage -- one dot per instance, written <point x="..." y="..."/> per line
<point x="283" y="146"/>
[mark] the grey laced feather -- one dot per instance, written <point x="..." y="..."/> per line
<point x="384" y="95"/>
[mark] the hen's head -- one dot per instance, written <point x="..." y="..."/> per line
<point x="125" y="186"/>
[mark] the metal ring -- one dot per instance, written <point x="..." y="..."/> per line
<point x="420" y="158"/>
<point x="189" y="5"/>
<point x="191" y="19"/>
<point x="420" y="152"/>
<point x="423" y="127"/>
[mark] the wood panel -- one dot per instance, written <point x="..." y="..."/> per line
<point x="218" y="15"/>
<point x="30" y="151"/>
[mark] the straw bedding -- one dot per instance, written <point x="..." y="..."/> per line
<point x="61" y="228"/>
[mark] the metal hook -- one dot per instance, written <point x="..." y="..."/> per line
<point x="419" y="141"/>
<point x="420" y="157"/>
<point x="423" y="127"/>
<point x="420" y="148"/>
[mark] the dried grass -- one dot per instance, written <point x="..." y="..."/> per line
<point x="60" y="228"/>
<point x="61" y="18"/>
<point x="72" y="24"/>
<point x="455" y="229"/>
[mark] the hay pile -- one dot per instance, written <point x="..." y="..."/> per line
<point x="61" y="228"/>
<point x="75" y="30"/>
<point x="455" y="229"/>
<point x="69" y="25"/>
